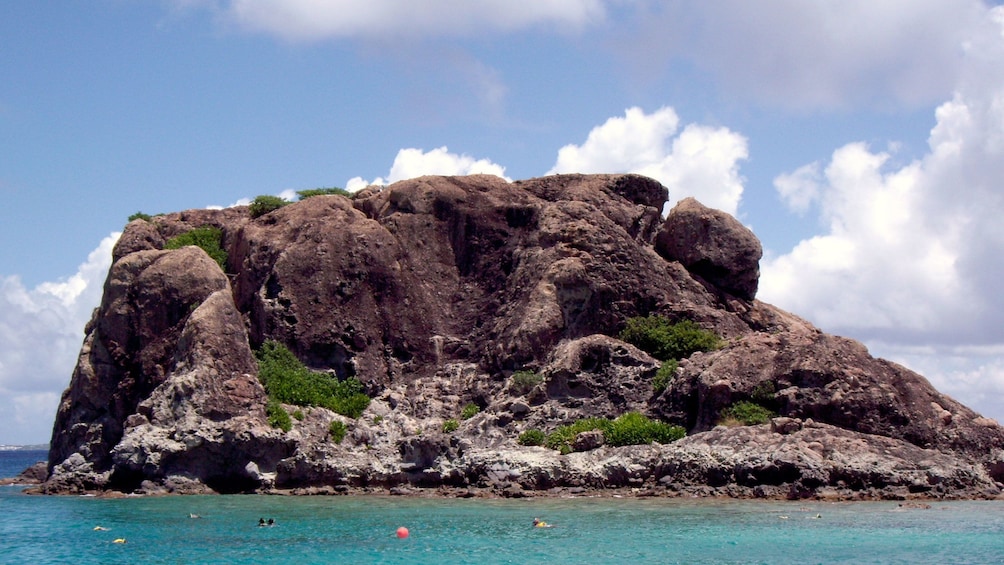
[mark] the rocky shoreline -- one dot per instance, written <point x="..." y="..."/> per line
<point x="435" y="293"/>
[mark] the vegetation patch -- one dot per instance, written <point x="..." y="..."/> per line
<point x="337" y="431"/>
<point x="563" y="436"/>
<point x="469" y="411"/>
<point x="450" y="425"/>
<point x="531" y="437"/>
<point x="666" y="340"/>
<point x="288" y="380"/>
<point x="522" y="382"/>
<point x="277" y="416"/>
<point x="631" y="428"/>
<point x="664" y="375"/>
<point x="206" y="237"/>
<point x="140" y="216"/>
<point x="765" y="394"/>
<point x="264" y="204"/>
<point x="746" y="413"/>
<point x="305" y="194"/>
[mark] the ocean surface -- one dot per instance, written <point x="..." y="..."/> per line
<point x="343" y="529"/>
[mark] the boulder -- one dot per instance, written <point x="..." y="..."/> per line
<point x="713" y="246"/>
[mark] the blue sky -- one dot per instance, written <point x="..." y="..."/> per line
<point x="863" y="142"/>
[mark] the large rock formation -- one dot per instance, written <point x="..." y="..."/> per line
<point x="433" y="292"/>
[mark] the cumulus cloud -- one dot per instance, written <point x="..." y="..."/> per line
<point x="410" y="163"/>
<point x="910" y="258"/>
<point x="311" y="19"/>
<point x="40" y="336"/>
<point x="820" y="54"/>
<point x="701" y="161"/>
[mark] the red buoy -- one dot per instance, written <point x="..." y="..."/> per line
<point x="402" y="532"/>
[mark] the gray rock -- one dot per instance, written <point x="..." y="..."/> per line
<point x="587" y="441"/>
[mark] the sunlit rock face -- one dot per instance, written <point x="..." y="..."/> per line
<point x="433" y="292"/>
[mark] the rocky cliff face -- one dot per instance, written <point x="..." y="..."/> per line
<point x="432" y="292"/>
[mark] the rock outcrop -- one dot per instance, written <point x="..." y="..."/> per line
<point x="433" y="292"/>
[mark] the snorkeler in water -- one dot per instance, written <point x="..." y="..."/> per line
<point x="538" y="523"/>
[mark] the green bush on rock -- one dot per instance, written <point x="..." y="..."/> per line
<point x="631" y="428"/>
<point x="450" y="425"/>
<point x="563" y="436"/>
<point x="287" y="380"/>
<point x="277" y="416"/>
<point x="522" y="382"/>
<point x="664" y="375"/>
<point x="264" y="204"/>
<point x="469" y="411"/>
<point x="746" y="413"/>
<point x="206" y="237"/>
<point x="305" y="194"/>
<point x="665" y="341"/>
<point x="531" y="437"/>
<point x="337" y="430"/>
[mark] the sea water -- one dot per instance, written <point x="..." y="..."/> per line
<point x="362" y="529"/>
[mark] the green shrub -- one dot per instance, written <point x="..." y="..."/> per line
<point x="765" y="394"/>
<point x="264" y="204"/>
<point x="336" y="431"/>
<point x="298" y="414"/>
<point x="287" y="380"/>
<point x="664" y="375"/>
<point x="665" y="340"/>
<point x="562" y="437"/>
<point x="522" y="382"/>
<point x="633" y="428"/>
<point x="206" y="237"/>
<point x="140" y="216"/>
<point x="531" y="437"/>
<point x="450" y="425"/>
<point x="747" y="413"/>
<point x="305" y="194"/>
<point x="469" y="411"/>
<point x="277" y="416"/>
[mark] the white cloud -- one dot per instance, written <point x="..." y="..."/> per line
<point x="824" y="53"/>
<point x="314" y="19"/>
<point x="913" y="250"/>
<point x="910" y="261"/>
<point x="701" y="161"/>
<point x="40" y="336"/>
<point x="800" y="189"/>
<point x="410" y="163"/>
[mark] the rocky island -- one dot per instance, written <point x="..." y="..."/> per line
<point x="480" y="318"/>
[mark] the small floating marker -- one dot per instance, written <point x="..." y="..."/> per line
<point x="119" y="540"/>
<point x="100" y="529"/>
<point x="402" y="532"/>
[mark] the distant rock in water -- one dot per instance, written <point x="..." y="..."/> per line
<point x="474" y="310"/>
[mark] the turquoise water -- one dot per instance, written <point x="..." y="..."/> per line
<point x="362" y="530"/>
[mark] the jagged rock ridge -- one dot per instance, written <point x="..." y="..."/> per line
<point x="432" y="292"/>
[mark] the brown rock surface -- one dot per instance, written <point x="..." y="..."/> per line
<point x="432" y="292"/>
<point x="712" y="245"/>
